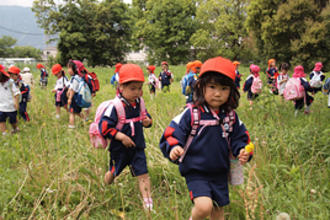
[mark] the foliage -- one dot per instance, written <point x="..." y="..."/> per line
<point x="6" y="43"/>
<point x="48" y="171"/>
<point x="92" y="30"/>
<point x="165" y="27"/>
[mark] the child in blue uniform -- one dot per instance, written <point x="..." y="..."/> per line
<point x="272" y="74"/>
<point x="43" y="75"/>
<point x="191" y="80"/>
<point x="205" y="165"/>
<point x="128" y="144"/>
<point x="24" y="89"/>
<point x="165" y="77"/>
<point x="238" y="75"/>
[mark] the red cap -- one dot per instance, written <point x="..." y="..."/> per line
<point x="299" y="71"/>
<point x="39" y="66"/>
<point x="14" y="70"/>
<point x="130" y="72"/>
<point x="164" y="63"/>
<point x="79" y="65"/>
<point x="56" y="69"/>
<point x="2" y="70"/>
<point x="151" y="68"/>
<point x="220" y="65"/>
<point x="118" y="66"/>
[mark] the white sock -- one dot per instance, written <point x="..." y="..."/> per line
<point x="71" y="126"/>
<point x="57" y="116"/>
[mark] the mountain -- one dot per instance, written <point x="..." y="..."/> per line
<point x="21" y="24"/>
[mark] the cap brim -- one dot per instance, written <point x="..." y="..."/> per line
<point x="5" y="73"/>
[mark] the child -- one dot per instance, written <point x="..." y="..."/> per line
<point x="76" y="78"/>
<point x="282" y="78"/>
<point x="27" y="77"/>
<point x="115" y="78"/>
<point x="152" y="79"/>
<point x="43" y="75"/>
<point x="205" y="164"/>
<point x="165" y="77"/>
<point x="253" y="84"/>
<point x="326" y="90"/>
<point x="185" y="77"/>
<point x="191" y="80"/>
<point x="316" y="77"/>
<point x="60" y="90"/>
<point x="127" y="145"/>
<point x="238" y="75"/>
<point x="9" y="99"/>
<point x="272" y="74"/>
<point x="14" y="73"/>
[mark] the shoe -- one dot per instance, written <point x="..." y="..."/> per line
<point x="14" y="131"/>
<point x="57" y="116"/>
<point x="71" y="126"/>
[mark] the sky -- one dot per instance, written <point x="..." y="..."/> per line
<point x="28" y="3"/>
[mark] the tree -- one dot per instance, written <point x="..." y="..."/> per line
<point x="165" y="27"/>
<point x="26" y="52"/>
<point x="221" y="29"/>
<point x="87" y="29"/>
<point x="6" y="44"/>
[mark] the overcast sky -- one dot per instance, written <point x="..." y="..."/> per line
<point x="28" y="3"/>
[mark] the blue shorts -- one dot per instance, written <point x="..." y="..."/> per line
<point x="74" y="108"/>
<point x="216" y="189"/>
<point x="11" y="115"/>
<point x="132" y="157"/>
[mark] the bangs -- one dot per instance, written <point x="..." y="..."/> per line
<point x="217" y="78"/>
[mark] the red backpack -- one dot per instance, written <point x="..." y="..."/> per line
<point x="92" y="81"/>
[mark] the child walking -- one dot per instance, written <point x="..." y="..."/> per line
<point x="165" y="77"/>
<point x="282" y="78"/>
<point x="238" y="76"/>
<point x="191" y="80"/>
<point x="9" y="100"/>
<point x="128" y="144"/>
<point x="43" y="75"/>
<point x="14" y="73"/>
<point x="317" y="77"/>
<point x="60" y="89"/>
<point x="205" y="164"/>
<point x="115" y="78"/>
<point x="253" y="84"/>
<point x="272" y="74"/>
<point x="27" y="77"/>
<point x="152" y="79"/>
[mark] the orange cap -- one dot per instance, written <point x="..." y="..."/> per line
<point x="56" y="69"/>
<point x="189" y="65"/>
<point x="14" y="70"/>
<point x="271" y="61"/>
<point x="39" y="66"/>
<point x="236" y="63"/>
<point x="196" y="64"/>
<point x="220" y="65"/>
<point x="151" y="68"/>
<point x="130" y="72"/>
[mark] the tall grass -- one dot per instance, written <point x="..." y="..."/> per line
<point x="51" y="172"/>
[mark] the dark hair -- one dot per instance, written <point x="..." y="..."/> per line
<point x="199" y="89"/>
<point x="284" y="66"/>
<point x="73" y="66"/>
<point x="3" y="78"/>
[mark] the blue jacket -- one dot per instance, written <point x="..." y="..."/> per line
<point x="248" y="83"/>
<point x="209" y="152"/>
<point x="108" y="122"/>
<point x="191" y="80"/>
<point x="165" y="78"/>
<point x="237" y="79"/>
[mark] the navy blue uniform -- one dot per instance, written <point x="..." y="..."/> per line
<point x="191" y="81"/>
<point x="237" y="79"/>
<point x="25" y="92"/>
<point x="43" y="77"/>
<point x="165" y="78"/>
<point x="247" y="88"/>
<point x="122" y="156"/>
<point x="299" y="104"/>
<point x="206" y="164"/>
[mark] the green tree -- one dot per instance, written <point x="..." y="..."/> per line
<point x="6" y="44"/>
<point x="87" y="29"/>
<point x="221" y="29"/>
<point x="27" y="51"/>
<point x="165" y="27"/>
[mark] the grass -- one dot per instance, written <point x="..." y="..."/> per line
<point x="51" y="172"/>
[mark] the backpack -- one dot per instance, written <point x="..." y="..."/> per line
<point x="83" y="97"/>
<point x="256" y="86"/>
<point x="293" y="89"/>
<point x="92" y="81"/>
<point x="95" y="136"/>
<point x="316" y="82"/>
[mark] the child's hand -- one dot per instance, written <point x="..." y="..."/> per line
<point x="146" y="122"/>
<point x="53" y="90"/>
<point x="127" y="141"/>
<point x="243" y="156"/>
<point x="176" y="152"/>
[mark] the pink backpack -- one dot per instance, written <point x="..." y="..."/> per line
<point x="293" y="89"/>
<point x="256" y="86"/>
<point x="95" y="136"/>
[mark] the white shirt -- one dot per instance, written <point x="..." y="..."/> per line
<point x="75" y="83"/>
<point x="27" y="78"/>
<point x="61" y="83"/>
<point x="8" y="91"/>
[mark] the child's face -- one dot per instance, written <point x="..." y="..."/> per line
<point x="284" y="71"/>
<point x="237" y="66"/>
<point x="132" y="91"/>
<point x="216" y="95"/>
<point x="70" y="71"/>
<point x="58" y="75"/>
<point x="14" y="76"/>
<point x="164" y="67"/>
<point x="272" y="64"/>
<point x="149" y="71"/>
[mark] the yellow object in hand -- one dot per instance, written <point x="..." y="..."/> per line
<point x="249" y="148"/>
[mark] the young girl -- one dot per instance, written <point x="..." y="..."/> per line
<point x="205" y="164"/>
<point x="153" y="81"/>
<point x="9" y="100"/>
<point x="254" y="75"/>
<point x="43" y="75"/>
<point x="14" y="73"/>
<point x="272" y="74"/>
<point x="128" y="144"/>
<point x="165" y="77"/>
<point x="191" y="80"/>
<point x="282" y="78"/>
<point x="60" y="90"/>
<point x="238" y="75"/>
<point x="316" y="77"/>
<point x="74" y="69"/>
<point x="307" y="100"/>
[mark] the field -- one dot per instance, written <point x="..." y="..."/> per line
<point x="50" y="172"/>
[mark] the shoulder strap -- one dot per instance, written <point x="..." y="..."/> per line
<point x="120" y="112"/>
<point x="143" y="111"/>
